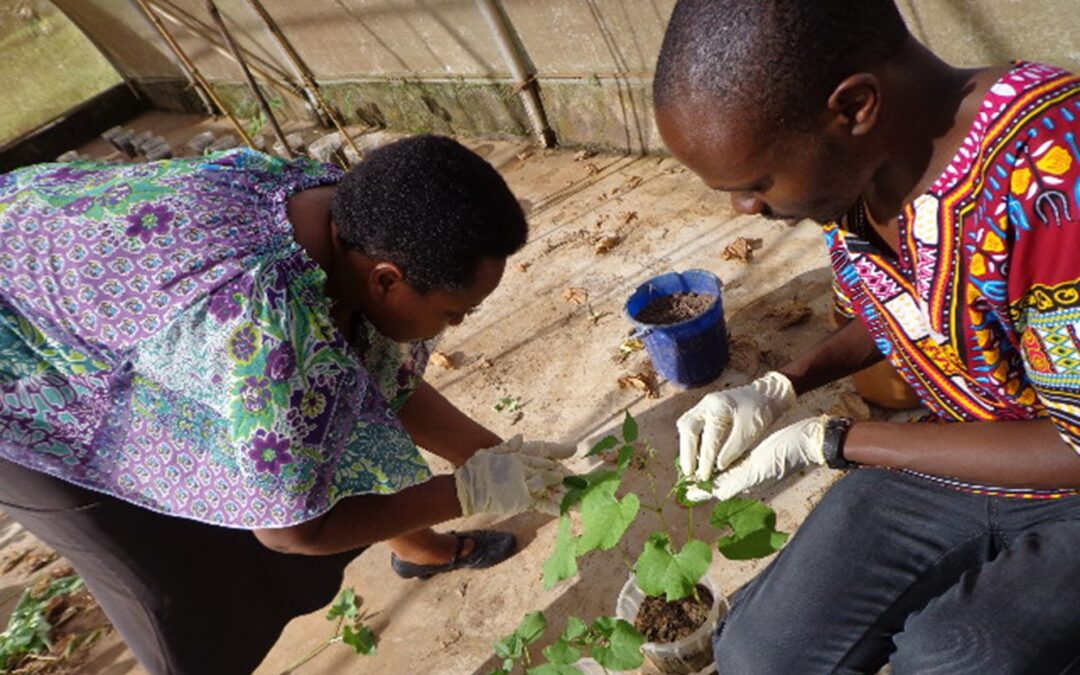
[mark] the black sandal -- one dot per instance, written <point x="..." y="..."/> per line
<point x="491" y="548"/>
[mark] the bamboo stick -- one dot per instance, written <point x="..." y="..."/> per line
<point x="193" y="70"/>
<point x="310" y="85"/>
<point x="279" y="81"/>
<point x="235" y="49"/>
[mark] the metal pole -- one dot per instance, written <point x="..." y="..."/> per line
<point x="193" y="71"/>
<point x="235" y="49"/>
<point x="311" y="87"/>
<point x="525" y="84"/>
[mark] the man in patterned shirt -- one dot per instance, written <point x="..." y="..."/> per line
<point x="950" y="201"/>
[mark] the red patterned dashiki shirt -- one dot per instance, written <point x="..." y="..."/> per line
<point x="980" y="313"/>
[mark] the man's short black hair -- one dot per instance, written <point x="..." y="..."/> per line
<point x="431" y="206"/>
<point x="776" y="59"/>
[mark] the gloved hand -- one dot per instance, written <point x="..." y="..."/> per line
<point x="511" y="478"/>
<point x="725" y="424"/>
<point x="547" y="449"/>
<point x="793" y="447"/>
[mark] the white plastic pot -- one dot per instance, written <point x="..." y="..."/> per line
<point x="693" y="653"/>
<point x="588" y="666"/>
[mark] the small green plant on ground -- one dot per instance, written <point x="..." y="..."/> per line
<point x="661" y="569"/>
<point x="510" y="404"/>
<point x="349" y="628"/>
<point x="29" y="627"/>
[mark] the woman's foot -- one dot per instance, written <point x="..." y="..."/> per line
<point x="476" y="549"/>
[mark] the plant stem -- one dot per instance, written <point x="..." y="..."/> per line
<point x="318" y="650"/>
<point x="626" y="557"/>
<point x="656" y="499"/>
<point x="690" y="525"/>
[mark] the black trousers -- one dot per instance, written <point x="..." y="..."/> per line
<point x="187" y="597"/>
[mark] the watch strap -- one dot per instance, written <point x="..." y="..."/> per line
<point x="836" y="429"/>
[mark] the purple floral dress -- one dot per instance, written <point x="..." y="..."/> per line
<point x="163" y="339"/>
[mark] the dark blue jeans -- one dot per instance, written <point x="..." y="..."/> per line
<point x="893" y="568"/>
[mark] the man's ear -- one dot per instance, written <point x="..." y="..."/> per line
<point x="384" y="278"/>
<point x="855" y="104"/>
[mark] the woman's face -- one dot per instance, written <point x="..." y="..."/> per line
<point x="402" y="313"/>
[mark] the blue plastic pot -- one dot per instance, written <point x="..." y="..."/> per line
<point x="692" y="352"/>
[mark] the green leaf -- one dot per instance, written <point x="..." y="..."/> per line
<point x="510" y="647"/>
<point x="361" y="639"/>
<point x="578" y="486"/>
<point x="28" y="628"/>
<point x="661" y="571"/>
<point x="604" y="517"/>
<point x="626" y="453"/>
<point x="575" y="628"/>
<point x="622" y="648"/>
<point x="553" y="669"/>
<point x="629" y="428"/>
<point x="562" y="564"/>
<point x="499" y="671"/>
<point x="561" y="652"/>
<point x="575" y="482"/>
<point x="532" y="626"/>
<point x="603" y="445"/>
<point x="346" y="606"/>
<point x="753" y="526"/>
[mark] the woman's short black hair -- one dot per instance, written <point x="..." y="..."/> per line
<point x="431" y="206"/>
<point x="776" y="59"/>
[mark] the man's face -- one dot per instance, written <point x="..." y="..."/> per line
<point x="786" y="175"/>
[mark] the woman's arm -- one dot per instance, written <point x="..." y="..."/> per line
<point x="437" y="425"/>
<point x="848" y="350"/>
<point x="1022" y="454"/>
<point x="366" y="519"/>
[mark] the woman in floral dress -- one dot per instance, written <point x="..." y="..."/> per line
<point x="211" y="389"/>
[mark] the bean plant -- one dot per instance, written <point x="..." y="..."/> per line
<point x="662" y="568"/>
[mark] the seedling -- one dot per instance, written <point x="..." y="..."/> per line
<point x="28" y="628"/>
<point x="509" y="404"/>
<point x="661" y="569"/>
<point x="349" y="629"/>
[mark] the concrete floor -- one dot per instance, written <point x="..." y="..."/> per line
<point x="562" y="360"/>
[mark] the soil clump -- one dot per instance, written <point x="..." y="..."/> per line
<point x="675" y="308"/>
<point x="662" y="621"/>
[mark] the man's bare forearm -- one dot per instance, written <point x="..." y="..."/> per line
<point x="1016" y="453"/>
<point x="848" y="350"/>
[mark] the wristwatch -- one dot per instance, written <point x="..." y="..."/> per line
<point x="836" y="429"/>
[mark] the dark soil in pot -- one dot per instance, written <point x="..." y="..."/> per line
<point x="674" y="308"/>
<point x="662" y="621"/>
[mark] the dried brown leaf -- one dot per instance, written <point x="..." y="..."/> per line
<point x="605" y="244"/>
<point x="644" y="380"/>
<point x="790" y="313"/>
<point x="745" y="355"/>
<point x="741" y="249"/>
<point x="591" y="169"/>
<point x="576" y="295"/>
<point x="442" y="360"/>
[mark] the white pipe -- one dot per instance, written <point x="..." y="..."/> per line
<point x="523" y="81"/>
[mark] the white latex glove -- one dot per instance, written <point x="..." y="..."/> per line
<point x="725" y="424"/>
<point x="547" y="449"/>
<point x="793" y="447"/>
<point x="506" y="480"/>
